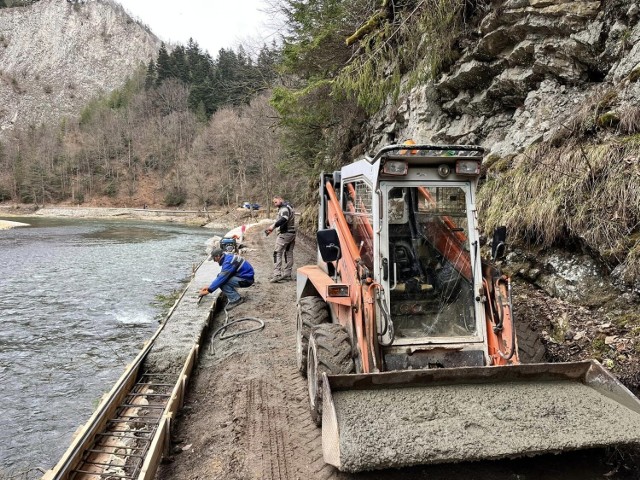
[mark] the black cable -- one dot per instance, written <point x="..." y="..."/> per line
<point x="220" y="331"/>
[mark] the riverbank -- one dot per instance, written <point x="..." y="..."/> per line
<point x="215" y="219"/>
<point x="5" y="224"/>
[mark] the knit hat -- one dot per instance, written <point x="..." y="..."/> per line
<point x="216" y="252"/>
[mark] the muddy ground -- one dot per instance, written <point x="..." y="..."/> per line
<point x="246" y="414"/>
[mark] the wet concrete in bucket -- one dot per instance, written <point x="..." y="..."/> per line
<point x="452" y="423"/>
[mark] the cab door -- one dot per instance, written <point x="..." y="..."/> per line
<point x="426" y="264"/>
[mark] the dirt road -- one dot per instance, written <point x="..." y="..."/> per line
<point x="246" y="415"/>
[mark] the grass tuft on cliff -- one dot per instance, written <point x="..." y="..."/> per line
<point x="578" y="191"/>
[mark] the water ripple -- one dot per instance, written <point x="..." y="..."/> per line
<point x="77" y="300"/>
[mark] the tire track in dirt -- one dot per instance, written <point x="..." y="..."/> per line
<point x="309" y="437"/>
<point x="268" y="427"/>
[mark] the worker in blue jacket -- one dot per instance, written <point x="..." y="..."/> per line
<point x="235" y="272"/>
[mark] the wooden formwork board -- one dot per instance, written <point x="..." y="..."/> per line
<point x="162" y="440"/>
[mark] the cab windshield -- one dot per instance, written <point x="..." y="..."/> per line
<point x="430" y="274"/>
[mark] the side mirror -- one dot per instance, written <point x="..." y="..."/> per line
<point x="329" y="245"/>
<point x="498" y="246"/>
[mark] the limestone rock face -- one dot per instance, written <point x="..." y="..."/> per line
<point x="56" y="55"/>
<point x="534" y="63"/>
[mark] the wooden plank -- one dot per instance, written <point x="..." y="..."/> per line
<point x="162" y="438"/>
<point x="156" y="449"/>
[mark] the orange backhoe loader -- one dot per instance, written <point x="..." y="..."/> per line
<point x="407" y="337"/>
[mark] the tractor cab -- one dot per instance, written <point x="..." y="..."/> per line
<point x="416" y="209"/>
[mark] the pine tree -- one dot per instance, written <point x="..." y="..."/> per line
<point x="150" y="79"/>
<point x="163" y="65"/>
<point x="179" y="67"/>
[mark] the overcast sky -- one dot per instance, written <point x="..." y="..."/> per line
<point x="213" y="24"/>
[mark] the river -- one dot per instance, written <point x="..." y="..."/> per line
<point x="78" y="298"/>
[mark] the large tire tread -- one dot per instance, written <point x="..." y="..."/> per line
<point x="312" y="312"/>
<point x="332" y="347"/>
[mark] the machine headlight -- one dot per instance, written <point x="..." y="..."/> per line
<point x="395" y="167"/>
<point x="467" y="167"/>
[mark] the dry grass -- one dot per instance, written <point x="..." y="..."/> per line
<point x="583" y="185"/>
<point x="584" y="121"/>
<point x="631" y="265"/>
<point x="576" y="191"/>
<point x="629" y="119"/>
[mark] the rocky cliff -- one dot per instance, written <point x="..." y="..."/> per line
<point x="551" y="90"/>
<point x="533" y="63"/>
<point x="56" y="55"/>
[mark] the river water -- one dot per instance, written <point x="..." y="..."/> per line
<point x="77" y="301"/>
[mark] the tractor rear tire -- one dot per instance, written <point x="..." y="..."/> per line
<point x="312" y="311"/>
<point x="530" y="346"/>
<point x="330" y="353"/>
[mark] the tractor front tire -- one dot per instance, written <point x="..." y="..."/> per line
<point x="330" y="353"/>
<point x="312" y="311"/>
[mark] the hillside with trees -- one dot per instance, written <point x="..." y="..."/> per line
<point x="166" y="137"/>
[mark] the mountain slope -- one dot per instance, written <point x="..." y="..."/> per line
<point x="56" y="55"/>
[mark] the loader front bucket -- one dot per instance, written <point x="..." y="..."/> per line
<point x="413" y="417"/>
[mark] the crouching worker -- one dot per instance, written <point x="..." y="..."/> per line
<point x="235" y="272"/>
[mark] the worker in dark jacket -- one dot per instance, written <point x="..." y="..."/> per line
<point x="283" y="253"/>
<point x="235" y="272"/>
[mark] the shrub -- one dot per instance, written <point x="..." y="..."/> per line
<point x="175" y="197"/>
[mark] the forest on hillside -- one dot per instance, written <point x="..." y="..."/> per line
<point x="184" y="130"/>
<point x="189" y="129"/>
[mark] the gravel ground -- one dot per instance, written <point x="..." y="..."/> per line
<point x="5" y="224"/>
<point x="215" y="219"/>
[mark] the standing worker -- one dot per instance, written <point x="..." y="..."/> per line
<point x="283" y="253"/>
<point x="235" y="272"/>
